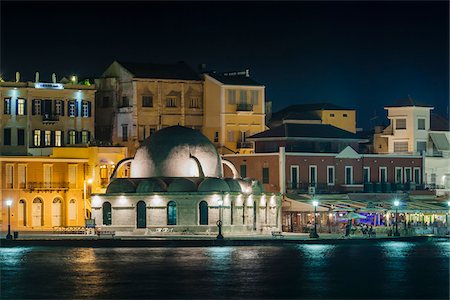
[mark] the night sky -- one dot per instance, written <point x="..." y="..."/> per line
<point x="355" y="54"/>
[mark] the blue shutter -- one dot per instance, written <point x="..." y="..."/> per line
<point x="77" y="137"/>
<point x="25" y="106"/>
<point x="62" y="107"/>
<point x="89" y="108"/>
<point x="76" y="108"/>
<point x="5" y="107"/>
<point x="17" y="106"/>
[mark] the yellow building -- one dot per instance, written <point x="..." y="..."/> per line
<point x="234" y="109"/>
<point x="54" y="191"/>
<point x="36" y="116"/>
<point x="320" y="113"/>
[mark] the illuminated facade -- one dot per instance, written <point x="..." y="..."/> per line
<point x="49" y="192"/>
<point x="36" y="116"/>
<point x="176" y="185"/>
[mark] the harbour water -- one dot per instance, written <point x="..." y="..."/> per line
<point x="353" y="270"/>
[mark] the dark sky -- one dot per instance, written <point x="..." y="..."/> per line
<point x="355" y="54"/>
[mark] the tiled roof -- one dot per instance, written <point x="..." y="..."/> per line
<point x="306" y="131"/>
<point x="439" y="123"/>
<point x="235" y="78"/>
<point x="409" y="102"/>
<point x="180" y="70"/>
<point x="304" y="111"/>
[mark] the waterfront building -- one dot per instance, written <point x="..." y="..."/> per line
<point x="53" y="192"/>
<point x="413" y="129"/>
<point x="36" y="116"/>
<point x="234" y="110"/>
<point x="176" y="184"/>
<point x="134" y="100"/>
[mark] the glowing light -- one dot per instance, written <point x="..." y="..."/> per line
<point x="74" y="78"/>
<point x="330" y="215"/>
<point x="396" y="203"/>
<point x="448" y="203"/>
<point x="89" y="181"/>
<point x="53" y="86"/>
<point x="315" y="203"/>
<point x="9" y="202"/>
<point x="122" y="200"/>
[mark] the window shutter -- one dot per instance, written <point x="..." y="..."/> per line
<point x="76" y="108"/>
<point x="89" y="108"/>
<point x="5" y="107"/>
<point x="17" y="106"/>
<point x="63" y="142"/>
<point x="42" y="138"/>
<point x="25" y="106"/>
<point x="33" y="107"/>
<point x="77" y="137"/>
<point x="62" y="107"/>
<point x="52" y="138"/>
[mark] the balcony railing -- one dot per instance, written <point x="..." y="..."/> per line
<point x="48" y="185"/>
<point x="244" y="107"/>
<point x="50" y="118"/>
<point x="245" y="145"/>
<point x="377" y="187"/>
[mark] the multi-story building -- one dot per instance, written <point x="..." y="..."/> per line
<point x="413" y="129"/>
<point x="39" y="115"/>
<point x="136" y="99"/>
<point x="234" y="110"/>
<point x="320" y="113"/>
<point x="54" y="191"/>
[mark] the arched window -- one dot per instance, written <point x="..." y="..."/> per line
<point x="107" y="218"/>
<point x="37" y="215"/>
<point x="172" y="213"/>
<point x="203" y="212"/>
<point x="56" y="212"/>
<point x="22" y="213"/>
<point x="72" y="209"/>
<point x="141" y="214"/>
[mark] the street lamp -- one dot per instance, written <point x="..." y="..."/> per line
<point x="8" y="203"/>
<point x="219" y="223"/>
<point x="314" y="233"/>
<point x="396" y="204"/>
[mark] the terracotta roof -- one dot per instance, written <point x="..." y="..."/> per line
<point x="408" y="102"/>
<point x="180" y="70"/>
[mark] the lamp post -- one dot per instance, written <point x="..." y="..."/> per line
<point x="219" y="223"/>
<point x="314" y="233"/>
<point x="396" y="204"/>
<point x="86" y="182"/>
<point x="8" y="203"/>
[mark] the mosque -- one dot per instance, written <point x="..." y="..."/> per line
<point x="176" y="185"/>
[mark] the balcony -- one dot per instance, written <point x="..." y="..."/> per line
<point x="245" y="145"/>
<point x="50" y="118"/>
<point x="244" y="107"/>
<point x="48" y="186"/>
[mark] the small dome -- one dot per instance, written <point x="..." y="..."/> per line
<point x="151" y="185"/>
<point x="121" y="185"/>
<point x="213" y="185"/>
<point x="182" y="185"/>
<point x="234" y="185"/>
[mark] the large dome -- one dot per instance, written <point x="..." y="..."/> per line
<point x="176" y="151"/>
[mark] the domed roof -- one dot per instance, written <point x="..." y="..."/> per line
<point x="234" y="185"/>
<point x="213" y="185"/>
<point x="176" y="151"/>
<point x="121" y="185"/>
<point x="182" y="185"/>
<point x="151" y="185"/>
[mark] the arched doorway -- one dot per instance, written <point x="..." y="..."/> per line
<point x="172" y="213"/>
<point x="22" y="213"/>
<point x="141" y="214"/>
<point x="56" y="212"/>
<point x="203" y="213"/>
<point x="72" y="210"/>
<point x="107" y="217"/>
<point x="37" y="214"/>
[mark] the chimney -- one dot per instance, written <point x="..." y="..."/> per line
<point x="54" y="78"/>
<point x="17" y="77"/>
<point x="37" y="77"/>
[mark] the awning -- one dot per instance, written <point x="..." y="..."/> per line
<point x="440" y="141"/>
<point x="294" y="205"/>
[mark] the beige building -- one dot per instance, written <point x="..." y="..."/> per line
<point x="49" y="192"/>
<point x="135" y="99"/>
<point x="36" y="116"/>
<point x="234" y="110"/>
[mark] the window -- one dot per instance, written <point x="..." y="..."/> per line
<point x="366" y="174"/>
<point x="22" y="213"/>
<point x="72" y="137"/>
<point x="72" y="209"/>
<point x="152" y="130"/>
<point x="7" y="106"/>
<point x="400" y="124"/>
<point x="37" y="138"/>
<point x="254" y="97"/>
<point x="421" y="124"/>
<point x="312" y="175"/>
<point x="72" y="109"/>
<point x="330" y="175"/>
<point x="20" y="137"/>
<point x="84" y="137"/>
<point x="171" y="102"/>
<point x="7" y="136"/>
<point x="103" y="175"/>
<point x="348" y="175"/>
<point x="203" y="213"/>
<point x="230" y="136"/>
<point x="382" y="174"/>
<point x="21" y="107"/>
<point x="22" y="176"/>
<point x="124" y="132"/>
<point x="125" y="101"/>
<point x="194" y="102"/>
<point x="9" y="176"/>
<point x="171" y="213"/>
<point x="58" y="138"/>
<point x="86" y="109"/>
<point x="400" y="146"/>
<point x="105" y="101"/>
<point x="216" y="137"/>
<point x="231" y="96"/>
<point x="72" y="176"/>
<point x="48" y="175"/>
<point x="417" y="175"/>
<point x="294" y="177"/>
<point x="107" y="216"/>
<point x="243" y="96"/>
<point x="433" y="178"/>
<point x="408" y="175"/>
<point x="59" y="108"/>
<point x="243" y="171"/>
<point x="345" y="115"/>
<point x="37" y="107"/>
<point x="141" y="133"/>
<point x="332" y="115"/>
<point x="421" y="147"/>
<point x="265" y="173"/>
<point x="47" y="138"/>
<point x="147" y="101"/>
<point x="398" y="175"/>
